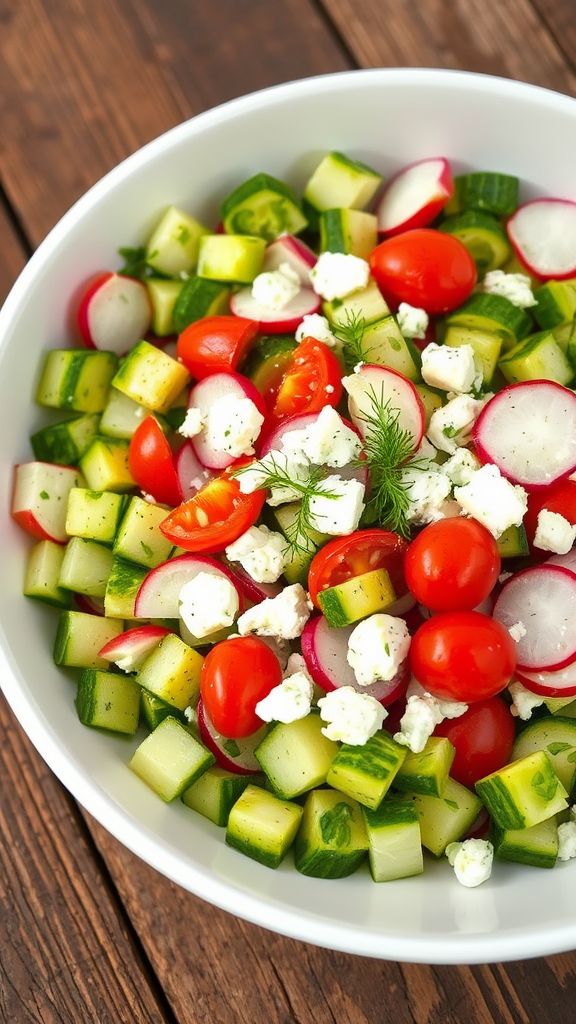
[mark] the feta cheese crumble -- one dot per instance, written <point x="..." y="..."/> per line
<point x="336" y="274"/>
<point x="427" y="489"/>
<point x="338" y="511"/>
<point x="514" y="287"/>
<point x="207" y="603"/>
<point x="412" y="321"/>
<point x="282" y="616"/>
<point x="423" y="713"/>
<point x="261" y="552"/>
<point x="451" y="426"/>
<point x="377" y="646"/>
<point x="493" y="500"/>
<point x="450" y="369"/>
<point x="472" y="861"/>
<point x="253" y="478"/>
<point x="523" y="701"/>
<point x="193" y="423"/>
<point x="517" y="631"/>
<point x="289" y="701"/>
<point x="567" y="840"/>
<point x="274" y="289"/>
<point x="327" y="441"/>
<point x="314" y="325"/>
<point x="352" y="717"/>
<point x="554" y="533"/>
<point x="232" y="425"/>
<point x="460" y="467"/>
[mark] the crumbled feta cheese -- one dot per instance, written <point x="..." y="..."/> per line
<point x="448" y="509"/>
<point x="523" y="701"/>
<point x="274" y="289"/>
<point x="338" y="511"/>
<point x="412" y="321"/>
<point x="254" y="476"/>
<point x="207" y="603"/>
<point x="460" y="467"/>
<point x="514" y="287"/>
<point x="517" y="631"/>
<point x="314" y="325"/>
<point x="377" y="646"/>
<point x="451" y="426"/>
<point x="232" y="425"/>
<point x="427" y="489"/>
<point x="471" y="860"/>
<point x="193" y="423"/>
<point x="445" y="708"/>
<point x="505" y="576"/>
<point x="336" y="274"/>
<point x="282" y="616"/>
<point x="426" y="450"/>
<point x="493" y="500"/>
<point x="125" y="663"/>
<point x="554" y="533"/>
<point x="352" y="717"/>
<point x="289" y="701"/>
<point x="148" y="497"/>
<point x="423" y="713"/>
<point x="191" y="715"/>
<point x="327" y="441"/>
<point x="261" y="552"/>
<point x="451" y="369"/>
<point x="567" y="840"/>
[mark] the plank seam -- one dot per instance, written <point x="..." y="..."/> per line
<point x="338" y="37"/>
<point x="547" y="26"/>
<point x="15" y="221"/>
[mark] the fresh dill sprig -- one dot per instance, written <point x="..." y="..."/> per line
<point x="351" y="333"/>
<point x="134" y="262"/>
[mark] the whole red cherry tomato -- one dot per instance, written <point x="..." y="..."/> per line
<point x="236" y="674"/>
<point x="215" y="344"/>
<point x="452" y="565"/>
<point x="483" y="738"/>
<point x="152" y="464"/>
<point x="425" y="268"/>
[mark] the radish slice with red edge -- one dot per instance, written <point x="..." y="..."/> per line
<point x="550" y="684"/>
<point x="276" y="321"/>
<point x="273" y="442"/>
<point x="543" y="599"/>
<point x="288" y="249"/>
<point x="567" y="561"/>
<point x="378" y="385"/>
<point x="325" y="650"/>
<point x="114" y="313"/>
<point x="528" y="430"/>
<point x="234" y="755"/>
<point x="415" y="196"/>
<point x="543" y="235"/>
<point x="192" y="475"/>
<point x="204" y="396"/>
<point x="129" y="650"/>
<point x="40" y="498"/>
<point x="158" y="596"/>
<point x="252" y="591"/>
<point x="91" y="605"/>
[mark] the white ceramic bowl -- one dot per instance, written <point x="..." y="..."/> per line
<point x="388" y="118"/>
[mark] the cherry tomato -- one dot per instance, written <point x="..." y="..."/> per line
<point x="215" y="517"/>
<point x="452" y="565"/>
<point x="425" y="268"/>
<point x="236" y="674"/>
<point x="313" y="379"/>
<point x="462" y="656"/>
<point x="559" y="497"/>
<point x="345" y="557"/>
<point x="215" y="343"/>
<point x="483" y="738"/>
<point x="152" y="465"/>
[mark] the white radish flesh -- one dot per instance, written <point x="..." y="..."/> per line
<point x="130" y="649"/>
<point x="325" y="653"/>
<point x="159" y="593"/>
<point x="543" y="599"/>
<point x="288" y="249"/>
<point x="561" y="683"/>
<point x="415" y="196"/>
<point x="276" y="321"/>
<point x="234" y="755"/>
<point x="40" y="499"/>
<point x="543" y="233"/>
<point x="377" y="386"/>
<point x="204" y="397"/>
<point x="192" y="475"/>
<point x="273" y="442"/>
<point x="117" y="314"/>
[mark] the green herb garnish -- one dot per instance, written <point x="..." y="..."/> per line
<point x="134" y="262"/>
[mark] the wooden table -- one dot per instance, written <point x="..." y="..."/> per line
<point x="87" y="932"/>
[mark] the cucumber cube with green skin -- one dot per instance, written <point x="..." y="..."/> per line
<point x="538" y="357"/>
<point x="65" y="443"/>
<point x="123" y="584"/>
<point x="151" y="377"/>
<point x="557" y="738"/>
<point x="357" y="598"/>
<point x="348" y="231"/>
<point x="366" y="303"/>
<point x="556" y="303"/>
<point x="80" y="637"/>
<point x="262" y="826"/>
<point x="138" y="538"/>
<point x="163" y="296"/>
<point x="199" y="298"/>
<point x="283" y="518"/>
<point x="494" y="314"/>
<point x="94" y="515"/>
<point x="332" y="840"/>
<point x="483" y="236"/>
<point x="513" y="543"/>
<point x="446" y="819"/>
<point x="536" y="846"/>
<point x="122" y="416"/>
<point x="384" y="343"/>
<point x="339" y="182"/>
<point x="431" y="400"/>
<point x="394" y="841"/>
<point x="263" y="206"/>
<point x="107" y="700"/>
<point x="172" y="672"/>
<point x="557" y="705"/>
<point x="234" y="258"/>
<point x="214" y="794"/>
<point x="170" y="759"/>
<point x="366" y="773"/>
<point x="155" y="710"/>
<point x="86" y="567"/>
<point x="76" y="379"/>
<point x="105" y="465"/>
<point x="523" y="793"/>
<point x="486" y="346"/>
<point x="43" y="573"/>
<point x="427" y="772"/>
<point x="173" y="245"/>
<point x="296" y="756"/>
<point x="484" y="190"/>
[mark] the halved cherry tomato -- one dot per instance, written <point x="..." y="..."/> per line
<point x="559" y="497"/>
<point x="452" y="565"/>
<point x="345" y="557"/>
<point x="152" y="465"/>
<point x="462" y="656"/>
<point x="425" y="268"/>
<point x="313" y="379"/>
<point x="215" y="517"/>
<point x="483" y="738"/>
<point x="236" y="674"/>
<point x="215" y="343"/>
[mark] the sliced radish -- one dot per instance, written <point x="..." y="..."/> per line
<point x="159" y="591"/>
<point x="528" y="430"/>
<point x="204" y="396"/>
<point x="276" y="321"/>
<point x="550" y="684"/>
<point x="288" y="249"/>
<point x="274" y="439"/>
<point x="543" y="599"/>
<point x="114" y="313"/>
<point x="375" y="386"/>
<point x="480" y="827"/>
<point x="543" y="235"/>
<point x="252" y="591"/>
<point x="192" y="475"/>
<point x="567" y="561"/>
<point x="325" y="650"/>
<point x="40" y="498"/>
<point x="130" y="649"/>
<point x="91" y="605"/>
<point x="234" y="755"/>
<point x="415" y="196"/>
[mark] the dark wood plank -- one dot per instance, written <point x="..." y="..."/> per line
<point x="12" y="255"/>
<point x="559" y="16"/>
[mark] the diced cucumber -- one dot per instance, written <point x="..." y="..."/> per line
<point x="43" y="573"/>
<point x="446" y="819"/>
<point x="494" y="314"/>
<point x="513" y="543"/>
<point x="283" y="518"/>
<point x="76" y="379"/>
<point x="139" y="538"/>
<point x="556" y="736"/>
<point x="339" y="182"/>
<point x="155" y="710"/>
<point x="170" y="759"/>
<point x="86" y="567"/>
<point x="173" y="245"/>
<point x="172" y="672"/>
<point x="431" y="400"/>
<point x="65" y="443"/>
<point x="536" y="846"/>
<point x="163" y="296"/>
<point x="367" y="303"/>
<point x="150" y="377"/>
<point x="262" y="206"/>
<point x="556" y="705"/>
<point x="366" y="773"/>
<point x="262" y="826"/>
<point x="357" y="598"/>
<point x="234" y="258"/>
<point x="122" y="416"/>
<point x="122" y="587"/>
<point x="427" y="772"/>
<point x="384" y="343"/>
<point x="538" y="357"/>
<point x="94" y="515"/>
<point x="296" y="757"/>
<point x="105" y="465"/>
<point x="107" y="700"/>
<point x="484" y="190"/>
<point x="394" y="841"/>
<point x="486" y="345"/>
<point x="199" y="298"/>
<point x="332" y="840"/>
<point x="349" y="231"/>
<point x="556" y="303"/>
<point x="215" y="793"/>
<point x="483" y="236"/>
<point x="268" y="360"/>
<point x="523" y="793"/>
<point x="80" y="637"/>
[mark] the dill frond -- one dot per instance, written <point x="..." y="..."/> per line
<point x="351" y="333"/>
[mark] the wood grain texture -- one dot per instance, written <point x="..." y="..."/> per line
<point x="12" y="256"/>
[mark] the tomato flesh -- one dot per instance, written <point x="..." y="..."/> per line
<point x="215" y="344"/>
<point x="152" y="464"/>
<point x="312" y="380"/>
<point x="344" y="558"/>
<point x="215" y="517"/>
<point x="452" y="565"/>
<point x="483" y="738"/>
<point x="236" y="674"/>
<point x="425" y="268"/>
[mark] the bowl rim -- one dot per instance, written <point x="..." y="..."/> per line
<point x="138" y="838"/>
